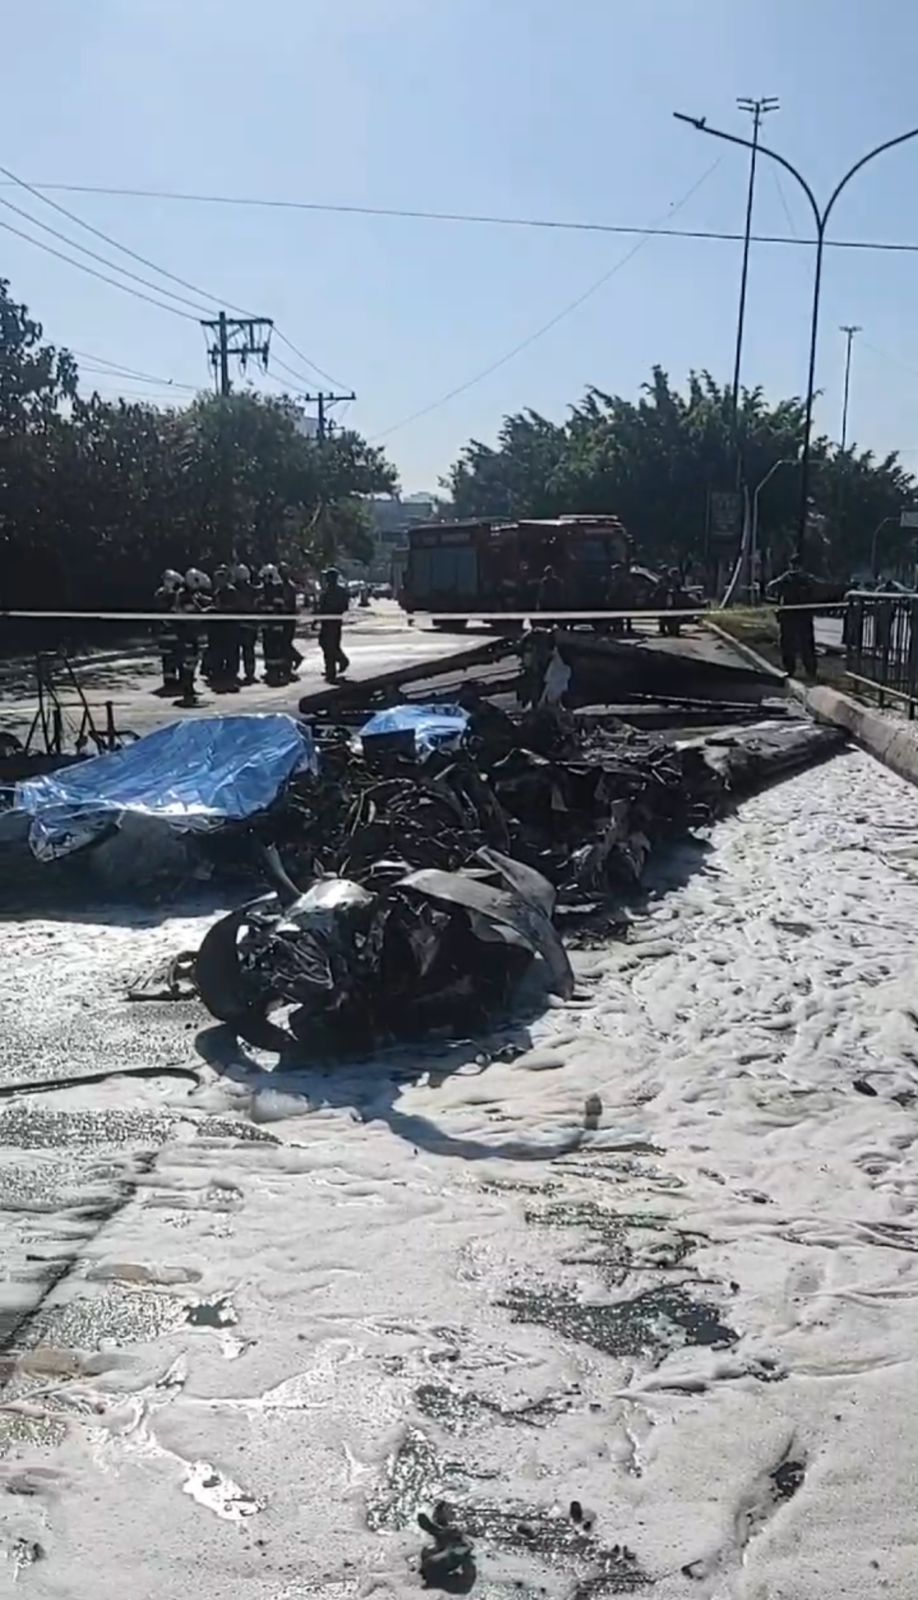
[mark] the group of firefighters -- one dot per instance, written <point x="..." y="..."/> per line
<point x="214" y="624"/>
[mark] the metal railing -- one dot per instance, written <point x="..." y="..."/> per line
<point x="881" y="644"/>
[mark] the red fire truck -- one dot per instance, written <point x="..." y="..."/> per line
<point x="493" y="566"/>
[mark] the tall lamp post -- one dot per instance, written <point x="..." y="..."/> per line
<point x="785" y="461"/>
<point x="849" y="331"/>
<point x="821" y="218"/>
<point x="757" y="110"/>
<point x="874" y="542"/>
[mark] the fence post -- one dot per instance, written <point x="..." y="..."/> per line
<point x="912" y="678"/>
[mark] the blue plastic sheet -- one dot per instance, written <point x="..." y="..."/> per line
<point x="190" y="776"/>
<point x="433" y="726"/>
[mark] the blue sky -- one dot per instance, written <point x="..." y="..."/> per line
<point x="520" y="107"/>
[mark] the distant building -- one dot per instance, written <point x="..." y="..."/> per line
<point x="390" y="519"/>
<point x="305" y="424"/>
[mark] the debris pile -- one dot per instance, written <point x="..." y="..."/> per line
<point x="431" y="949"/>
<point x="436" y="877"/>
<point x="441" y="843"/>
<point x="582" y="804"/>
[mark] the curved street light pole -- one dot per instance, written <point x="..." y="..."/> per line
<point x="821" y="218"/>
<point x="785" y="461"/>
<point x="874" y="553"/>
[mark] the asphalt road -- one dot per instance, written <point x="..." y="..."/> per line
<point x="375" y="641"/>
<point x="255" y="1320"/>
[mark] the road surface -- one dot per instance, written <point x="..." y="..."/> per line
<point x="829" y="632"/>
<point x="256" y="1321"/>
<point x="375" y="642"/>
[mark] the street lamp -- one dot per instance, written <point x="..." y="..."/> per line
<point x="785" y="461"/>
<point x="874" y="566"/>
<point x="821" y="218"/>
<point x="906" y="518"/>
<point x="849" y="330"/>
<point x="757" y="110"/>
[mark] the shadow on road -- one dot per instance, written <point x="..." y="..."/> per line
<point x="370" y="1088"/>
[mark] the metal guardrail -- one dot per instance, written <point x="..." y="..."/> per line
<point x="881" y="644"/>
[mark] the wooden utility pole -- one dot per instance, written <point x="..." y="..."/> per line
<point x="239" y="337"/>
<point x="323" y="399"/>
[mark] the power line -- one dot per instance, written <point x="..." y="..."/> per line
<point x="297" y="352"/>
<point x="884" y="355"/>
<point x="95" y="256"/>
<point x="118" y="369"/>
<point x="131" y="377"/>
<point x="546" y="327"/>
<point x="115" y="283"/>
<point x="300" y="377"/>
<point x="154" y="266"/>
<point x="162" y="272"/>
<point x="783" y="199"/>
<point x="149" y="392"/>
<point x="484" y="219"/>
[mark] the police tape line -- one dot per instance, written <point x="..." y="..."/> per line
<point x="260" y="618"/>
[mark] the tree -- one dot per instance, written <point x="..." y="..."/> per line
<point x="655" y="461"/>
<point x="35" y="378"/>
<point x="97" y="498"/>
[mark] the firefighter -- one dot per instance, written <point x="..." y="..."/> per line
<point x="272" y="634"/>
<point x="291" y="597"/>
<point x="795" y="587"/>
<point x="617" y="595"/>
<point x="192" y="599"/>
<point x="674" y="597"/>
<point x="331" y="605"/>
<point x="550" y="595"/>
<point x="164" y="600"/>
<point x="224" y="637"/>
<point x="248" y="601"/>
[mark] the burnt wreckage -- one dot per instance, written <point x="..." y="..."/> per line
<point x="424" y="858"/>
<point x="439" y="885"/>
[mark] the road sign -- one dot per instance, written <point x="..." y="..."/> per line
<point x="724" y="512"/>
<point x="908" y="519"/>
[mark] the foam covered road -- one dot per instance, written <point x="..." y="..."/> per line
<point x="640" y="1302"/>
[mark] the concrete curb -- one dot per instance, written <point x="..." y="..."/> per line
<point x="746" y="651"/>
<point x="895" y="744"/>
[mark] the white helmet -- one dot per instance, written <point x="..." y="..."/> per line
<point x="196" y="580"/>
<point x="269" y="573"/>
<point x="241" y="572"/>
<point x="172" y="579"/>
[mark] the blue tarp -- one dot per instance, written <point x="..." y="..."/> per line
<point x="191" y="776"/>
<point x="432" y="726"/>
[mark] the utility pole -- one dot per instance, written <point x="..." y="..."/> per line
<point x="758" y="109"/>
<point x="323" y="399"/>
<point x="239" y="337"/>
<point x="849" y="331"/>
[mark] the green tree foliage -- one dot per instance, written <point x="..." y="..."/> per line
<point x="654" y="461"/>
<point x="97" y="498"/>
